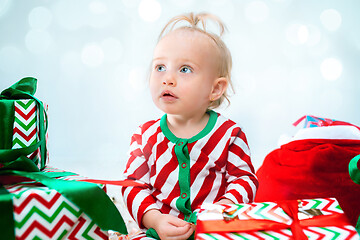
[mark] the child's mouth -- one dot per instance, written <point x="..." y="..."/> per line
<point x="168" y="96"/>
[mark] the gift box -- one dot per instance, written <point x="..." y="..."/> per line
<point x="320" y="218"/>
<point x="36" y="202"/>
<point x="40" y="212"/>
<point x="313" y="163"/>
<point x="23" y="125"/>
<point x="46" y="214"/>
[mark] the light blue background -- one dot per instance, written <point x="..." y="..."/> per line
<point x="91" y="60"/>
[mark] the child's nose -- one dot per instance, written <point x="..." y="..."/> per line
<point x="169" y="80"/>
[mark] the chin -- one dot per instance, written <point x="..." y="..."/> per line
<point x="171" y="111"/>
<point x="167" y="109"/>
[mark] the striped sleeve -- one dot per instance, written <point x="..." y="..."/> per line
<point x="138" y="199"/>
<point x="242" y="182"/>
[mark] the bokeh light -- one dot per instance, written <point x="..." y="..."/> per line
<point x="331" y="19"/>
<point x="112" y="49"/>
<point x="92" y="55"/>
<point x="331" y="69"/>
<point x="4" y="6"/>
<point x="40" y="18"/>
<point x="149" y="10"/>
<point x="297" y="34"/>
<point x="256" y="11"/>
<point x="71" y="15"/>
<point x="99" y="15"/>
<point x="38" y="41"/>
<point x="314" y="36"/>
<point x="303" y="34"/>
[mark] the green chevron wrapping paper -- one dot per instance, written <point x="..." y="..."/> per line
<point x="311" y="219"/>
<point x="20" y="128"/>
<point x="25" y="127"/>
<point x="43" y="213"/>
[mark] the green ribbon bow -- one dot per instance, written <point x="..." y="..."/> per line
<point x="23" y="89"/>
<point x="14" y="162"/>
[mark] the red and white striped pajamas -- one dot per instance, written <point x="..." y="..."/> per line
<point x="219" y="167"/>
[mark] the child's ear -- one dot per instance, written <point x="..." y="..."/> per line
<point x="219" y="87"/>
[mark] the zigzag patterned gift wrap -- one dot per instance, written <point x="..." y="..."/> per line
<point x="25" y="127"/>
<point x="26" y="123"/>
<point x="43" y="213"/>
<point x="213" y="220"/>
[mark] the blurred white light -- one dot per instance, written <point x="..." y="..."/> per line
<point x="98" y="7"/>
<point x="40" y="18"/>
<point x="331" y="69"/>
<point x="331" y="19"/>
<point x="297" y="34"/>
<point x="4" y="6"/>
<point x="92" y="55"/>
<point x="314" y="35"/>
<point x="303" y="34"/>
<point x="256" y="11"/>
<point x="149" y="10"/>
<point x="38" y="41"/>
<point x="112" y="49"/>
<point x="10" y="59"/>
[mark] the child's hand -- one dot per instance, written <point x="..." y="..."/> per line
<point x="225" y="201"/>
<point x="168" y="226"/>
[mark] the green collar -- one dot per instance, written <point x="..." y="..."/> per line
<point x="169" y="135"/>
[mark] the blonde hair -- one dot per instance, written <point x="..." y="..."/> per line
<point x="225" y="56"/>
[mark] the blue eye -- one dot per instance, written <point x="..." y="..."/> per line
<point x="186" y="69"/>
<point x="160" y="68"/>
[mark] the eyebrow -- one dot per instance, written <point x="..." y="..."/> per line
<point x="185" y="60"/>
<point x="157" y="59"/>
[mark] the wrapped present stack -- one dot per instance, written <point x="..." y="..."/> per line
<point x="38" y="202"/>
<point x="313" y="163"/>
<point x="291" y="219"/>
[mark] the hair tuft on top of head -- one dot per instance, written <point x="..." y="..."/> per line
<point x="192" y="20"/>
